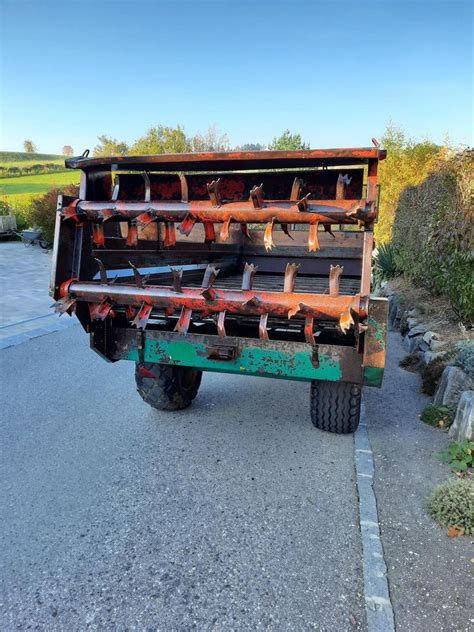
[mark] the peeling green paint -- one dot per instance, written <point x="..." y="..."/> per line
<point x="378" y="330"/>
<point x="252" y="361"/>
<point x="373" y="376"/>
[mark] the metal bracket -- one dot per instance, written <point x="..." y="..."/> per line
<point x="222" y="352"/>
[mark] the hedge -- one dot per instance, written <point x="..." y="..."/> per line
<point x="433" y="234"/>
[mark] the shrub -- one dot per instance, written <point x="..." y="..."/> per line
<point x="385" y="267"/>
<point x="20" y="211"/>
<point x="451" y="504"/>
<point x="410" y="362"/>
<point x="437" y="416"/>
<point x="5" y="208"/>
<point x="459" y="455"/>
<point x="43" y="210"/>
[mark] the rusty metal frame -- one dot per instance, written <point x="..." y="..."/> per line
<point x="213" y="161"/>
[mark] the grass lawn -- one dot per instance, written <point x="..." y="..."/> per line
<point x="37" y="184"/>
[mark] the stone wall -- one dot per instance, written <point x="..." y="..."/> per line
<point x="455" y="386"/>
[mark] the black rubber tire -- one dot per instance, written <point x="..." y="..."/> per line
<point x="167" y="387"/>
<point x="335" y="406"/>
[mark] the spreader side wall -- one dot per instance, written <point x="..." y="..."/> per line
<point x="277" y="359"/>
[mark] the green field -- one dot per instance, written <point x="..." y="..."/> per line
<point x="37" y="184"/>
<point x="19" y="190"/>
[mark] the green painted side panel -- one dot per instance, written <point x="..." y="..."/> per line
<point x="378" y="330"/>
<point x="252" y="361"/>
<point x="373" y="376"/>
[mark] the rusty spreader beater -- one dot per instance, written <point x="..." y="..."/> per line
<point x="257" y="263"/>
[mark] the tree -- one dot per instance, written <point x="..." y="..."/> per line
<point x="250" y="147"/>
<point x="211" y="140"/>
<point x="110" y="147"/>
<point x="162" y="140"/>
<point x="29" y="146"/>
<point x="408" y="163"/>
<point x="287" y="142"/>
<point x="68" y="150"/>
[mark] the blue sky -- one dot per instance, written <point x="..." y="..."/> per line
<point x="334" y="71"/>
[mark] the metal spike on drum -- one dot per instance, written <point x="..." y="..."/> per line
<point x="267" y="237"/>
<point x="225" y="229"/>
<point x="177" y="277"/>
<point x="346" y="321"/>
<point x="286" y="230"/>
<point x="290" y="276"/>
<point x="250" y="270"/>
<point x="296" y="189"/>
<point x="100" y="311"/>
<point x="102" y="271"/>
<point x="221" y="324"/>
<point x="209" y="233"/>
<point x="170" y="235"/>
<point x="313" y="243"/>
<point x="141" y="319"/>
<point x="184" y="321"/>
<point x="308" y="330"/>
<point x="64" y="305"/>
<point x="139" y="280"/>
<point x="256" y="195"/>
<point x="262" y="327"/>
<point x="335" y="273"/>
<point x="208" y="281"/>
<point x="213" y="189"/>
<point x="187" y="225"/>
<point x="245" y="230"/>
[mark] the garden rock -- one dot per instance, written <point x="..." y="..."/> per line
<point x="463" y="424"/>
<point x="413" y="322"/>
<point x="429" y="336"/>
<point x="453" y="382"/>
<point x="417" y="330"/>
<point x="411" y="343"/>
<point x="423" y="346"/>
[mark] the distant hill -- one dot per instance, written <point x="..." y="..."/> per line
<point x="22" y="156"/>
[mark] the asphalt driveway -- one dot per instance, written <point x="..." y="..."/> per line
<point x="234" y="514"/>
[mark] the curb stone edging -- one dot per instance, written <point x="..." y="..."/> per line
<point x="47" y="328"/>
<point x="378" y="606"/>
